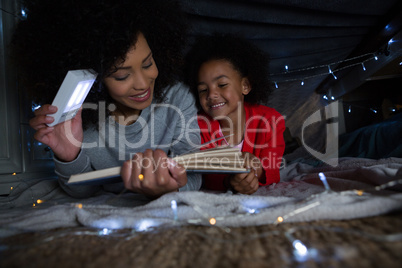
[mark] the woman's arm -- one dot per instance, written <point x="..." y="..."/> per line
<point x="187" y="136"/>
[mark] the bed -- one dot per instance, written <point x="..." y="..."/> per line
<point x="343" y="216"/>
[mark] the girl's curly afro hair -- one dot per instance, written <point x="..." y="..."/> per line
<point x="245" y="57"/>
<point x="58" y="36"/>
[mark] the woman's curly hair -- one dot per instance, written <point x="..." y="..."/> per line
<point x="245" y="57"/>
<point x="58" y="36"/>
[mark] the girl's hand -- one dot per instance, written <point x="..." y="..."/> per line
<point x="64" y="139"/>
<point x="248" y="183"/>
<point x="153" y="174"/>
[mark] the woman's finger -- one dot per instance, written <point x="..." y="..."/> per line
<point x="148" y="171"/>
<point x="42" y="135"/>
<point x="178" y="172"/>
<point x="40" y="121"/>
<point x="162" y="174"/>
<point x="45" y="109"/>
<point x="131" y="172"/>
<point x="125" y="173"/>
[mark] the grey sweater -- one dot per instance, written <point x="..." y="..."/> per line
<point x="170" y="125"/>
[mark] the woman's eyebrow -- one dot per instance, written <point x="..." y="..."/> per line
<point x="147" y="57"/>
<point x="128" y="67"/>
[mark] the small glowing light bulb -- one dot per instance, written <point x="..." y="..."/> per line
<point x="324" y="181"/>
<point x="300" y="248"/>
<point x="276" y="85"/>
<point x="286" y="67"/>
<point x="251" y="210"/>
<point x="33" y="204"/>
<point x="14" y="174"/>
<point x="350" y="109"/>
<point x="375" y="57"/>
<point x="78" y="205"/>
<point x="35" y="107"/>
<point x="141" y="177"/>
<point x="173" y="205"/>
<point x="279" y="219"/>
<point x="212" y="221"/>
<point x="359" y="192"/>
<point x="364" y="67"/>
<point x="302" y="83"/>
<point x="12" y="188"/>
<point x="39" y="201"/>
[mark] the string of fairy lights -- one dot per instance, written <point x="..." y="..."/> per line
<point x="324" y="69"/>
<point x="302" y="75"/>
<point x="300" y="251"/>
<point x="327" y="69"/>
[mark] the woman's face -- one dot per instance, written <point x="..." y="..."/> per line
<point x="132" y="85"/>
<point x="221" y="89"/>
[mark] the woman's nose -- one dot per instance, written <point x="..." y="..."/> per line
<point x="140" y="82"/>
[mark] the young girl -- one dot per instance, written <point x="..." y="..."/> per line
<point x="229" y="76"/>
<point x="136" y="109"/>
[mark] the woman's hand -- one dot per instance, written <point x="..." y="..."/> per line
<point x="153" y="174"/>
<point x="64" y="139"/>
<point x="248" y="183"/>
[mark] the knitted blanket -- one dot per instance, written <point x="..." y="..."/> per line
<point x="355" y="188"/>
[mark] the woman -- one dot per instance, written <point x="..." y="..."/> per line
<point x="136" y="112"/>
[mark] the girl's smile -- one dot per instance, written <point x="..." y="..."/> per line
<point x="217" y="106"/>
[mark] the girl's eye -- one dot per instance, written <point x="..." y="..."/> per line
<point x="222" y="85"/>
<point x="202" y="90"/>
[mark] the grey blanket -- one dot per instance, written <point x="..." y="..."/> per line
<point x="358" y="188"/>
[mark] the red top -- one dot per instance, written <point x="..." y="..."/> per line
<point x="263" y="138"/>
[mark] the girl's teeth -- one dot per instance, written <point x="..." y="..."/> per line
<point x="218" y="105"/>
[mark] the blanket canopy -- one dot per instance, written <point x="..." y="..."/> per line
<point x="303" y="34"/>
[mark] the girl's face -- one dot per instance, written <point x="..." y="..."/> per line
<point x="132" y="85"/>
<point x="221" y="89"/>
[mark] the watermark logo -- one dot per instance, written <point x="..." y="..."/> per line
<point x="186" y="128"/>
<point x="332" y="129"/>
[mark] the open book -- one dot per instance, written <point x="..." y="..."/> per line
<point x="216" y="160"/>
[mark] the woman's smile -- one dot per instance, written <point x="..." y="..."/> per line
<point x="141" y="97"/>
